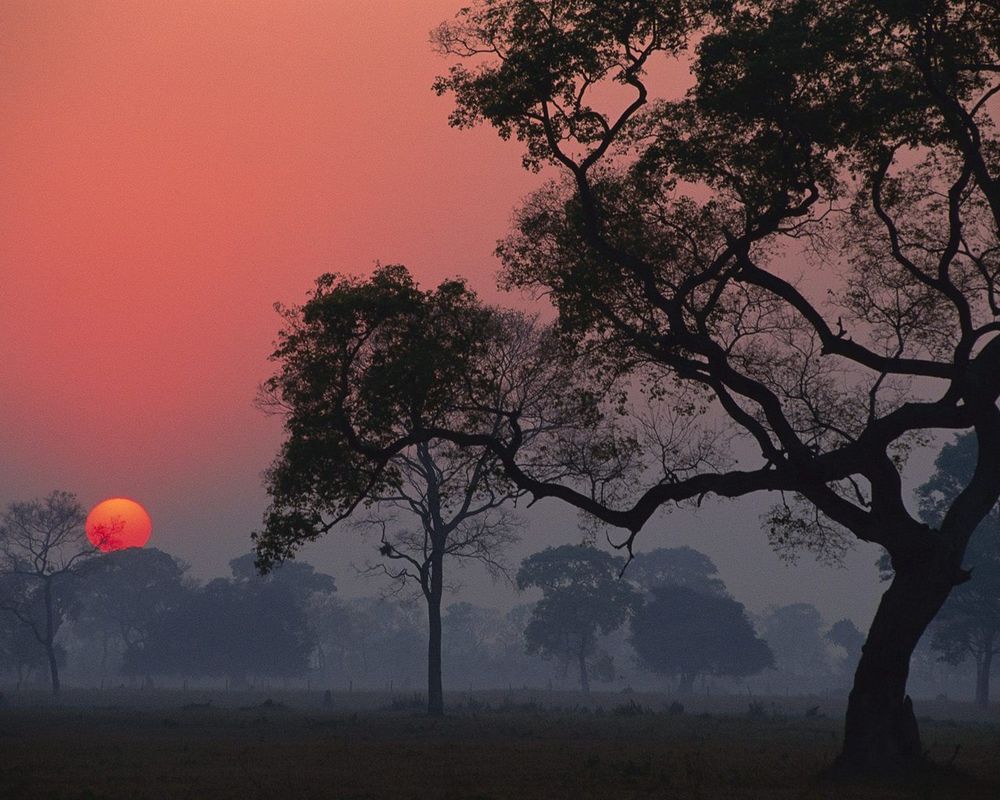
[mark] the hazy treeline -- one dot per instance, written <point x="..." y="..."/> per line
<point x="135" y="617"/>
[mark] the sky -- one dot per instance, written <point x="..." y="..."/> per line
<point x="170" y="170"/>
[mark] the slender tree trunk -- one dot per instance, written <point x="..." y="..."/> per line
<point x="584" y="678"/>
<point x="50" y="647"/>
<point x="686" y="685"/>
<point x="983" y="666"/>
<point x="435" y="691"/>
<point x="880" y="732"/>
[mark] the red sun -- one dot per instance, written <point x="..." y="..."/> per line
<point x="117" y="523"/>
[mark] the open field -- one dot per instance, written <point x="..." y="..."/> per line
<point x="166" y="744"/>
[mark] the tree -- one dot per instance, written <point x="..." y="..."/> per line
<point x="850" y="141"/>
<point x="124" y="593"/>
<point x="795" y="633"/>
<point x="969" y="622"/>
<point x="685" y="632"/>
<point x="675" y="566"/>
<point x="297" y="577"/>
<point x="457" y="502"/>
<point x="364" y="362"/>
<point x="582" y="595"/>
<point x="42" y="546"/>
<point x="20" y="652"/>
<point x="369" y="641"/>
<point x="233" y="629"/>
<point x="467" y="633"/>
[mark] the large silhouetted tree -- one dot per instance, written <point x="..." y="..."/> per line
<point x="803" y="247"/>
<point x="42" y="546"/>
<point x="582" y="596"/>
<point x="848" y="144"/>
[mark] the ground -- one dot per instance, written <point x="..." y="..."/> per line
<point x="170" y="744"/>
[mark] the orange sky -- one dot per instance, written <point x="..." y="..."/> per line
<point x="169" y="170"/>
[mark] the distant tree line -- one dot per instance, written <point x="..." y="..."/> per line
<point x="665" y="621"/>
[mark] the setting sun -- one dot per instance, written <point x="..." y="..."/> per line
<point x="117" y="523"/>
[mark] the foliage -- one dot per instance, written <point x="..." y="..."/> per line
<point x="795" y="633"/>
<point x="675" y="566"/>
<point x="775" y="132"/>
<point x="582" y="595"/>
<point x="20" y="652"/>
<point x="362" y="364"/>
<point x="685" y="632"/>
<point x="235" y="628"/>
<point x="806" y="242"/>
<point x="124" y="593"/>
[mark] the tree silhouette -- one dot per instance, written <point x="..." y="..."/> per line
<point x="42" y="547"/>
<point x="229" y="628"/>
<point x="685" y="632"/>
<point x="675" y="566"/>
<point x="794" y="633"/>
<point x="849" y="142"/>
<point x="365" y="362"/>
<point x="582" y="595"/>
<point x="123" y="593"/>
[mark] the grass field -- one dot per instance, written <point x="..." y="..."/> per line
<point x="492" y="745"/>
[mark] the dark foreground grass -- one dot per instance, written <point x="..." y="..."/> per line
<point x="271" y="751"/>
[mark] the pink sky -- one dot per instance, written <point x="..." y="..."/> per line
<point x="171" y="169"/>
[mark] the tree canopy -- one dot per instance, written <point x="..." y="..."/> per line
<point x="675" y="566"/>
<point x="582" y="596"/>
<point x="686" y="633"/>
<point x="796" y="259"/>
<point x="806" y="241"/>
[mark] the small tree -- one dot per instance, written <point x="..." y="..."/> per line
<point x="685" y="632"/>
<point x="42" y="546"/>
<point x="582" y="595"/>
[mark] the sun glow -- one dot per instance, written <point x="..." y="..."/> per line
<point x="117" y="523"/>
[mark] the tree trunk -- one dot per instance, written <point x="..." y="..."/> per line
<point x="880" y="732"/>
<point x="983" y="667"/>
<point x="50" y="646"/>
<point x="686" y="685"/>
<point x="584" y="678"/>
<point x="435" y="691"/>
